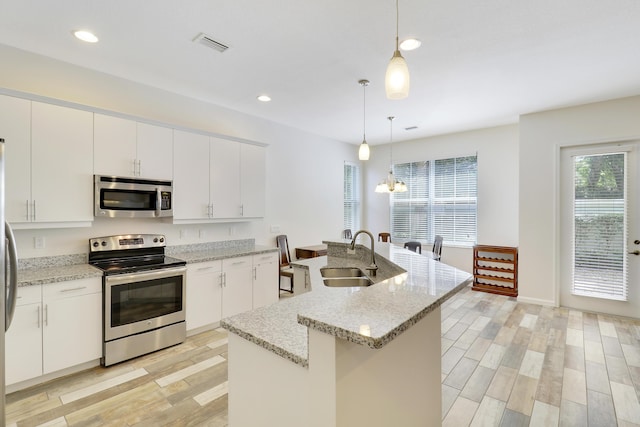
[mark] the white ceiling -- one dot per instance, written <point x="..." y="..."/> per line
<point x="482" y="62"/>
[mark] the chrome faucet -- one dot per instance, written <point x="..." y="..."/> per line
<point x="373" y="267"/>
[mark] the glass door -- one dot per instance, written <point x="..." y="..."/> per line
<point x="599" y="228"/>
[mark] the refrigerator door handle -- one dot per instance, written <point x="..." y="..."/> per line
<point x="11" y="274"/>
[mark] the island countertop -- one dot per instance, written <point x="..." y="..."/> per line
<point x="408" y="287"/>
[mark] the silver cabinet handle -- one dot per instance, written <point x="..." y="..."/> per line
<point x="33" y="211"/>
<point x="224" y="279"/>
<point x="255" y="273"/>
<point x="28" y="210"/>
<point x="221" y="280"/>
<point x="241" y="210"/>
<point x="139" y="167"/>
<point x="46" y="315"/>
<point x="38" y="311"/>
<point x="205" y="268"/>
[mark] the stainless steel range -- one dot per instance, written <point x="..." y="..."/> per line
<point x="143" y="295"/>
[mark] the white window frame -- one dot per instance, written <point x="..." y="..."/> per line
<point x="352" y="205"/>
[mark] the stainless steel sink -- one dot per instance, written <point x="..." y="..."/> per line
<point x="347" y="282"/>
<point x="341" y="272"/>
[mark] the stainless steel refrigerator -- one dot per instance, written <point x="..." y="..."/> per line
<point x="8" y="278"/>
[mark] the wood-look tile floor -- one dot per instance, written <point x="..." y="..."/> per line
<point x="504" y="363"/>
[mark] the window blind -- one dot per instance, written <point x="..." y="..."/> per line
<point x="441" y="200"/>
<point x="600" y="226"/>
<point x="351" y="197"/>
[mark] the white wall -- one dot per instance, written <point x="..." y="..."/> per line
<point x="497" y="150"/>
<point x="541" y="137"/>
<point x="304" y="179"/>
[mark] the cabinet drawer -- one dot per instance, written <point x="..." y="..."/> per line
<point x="237" y="263"/>
<point x="204" y="267"/>
<point x="73" y="288"/>
<point x="29" y="295"/>
<point x="265" y="258"/>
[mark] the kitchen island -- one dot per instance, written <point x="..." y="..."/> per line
<point x="345" y="356"/>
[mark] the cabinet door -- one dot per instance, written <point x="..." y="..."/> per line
<point x="225" y="178"/>
<point x="23" y="340"/>
<point x="15" y="128"/>
<point x="252" y="180"/>
<point x="204" y="294"/>
<point x="191" y="176"/>
<point x="155" y="152"/>
<point x="114" y="146"/>
<point x="62" y="163"/>
<point x="265" y="279"/>
<point x="237" y="292"/>
<point x="72" y="332"/>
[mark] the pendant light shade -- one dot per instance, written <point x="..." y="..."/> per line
<point x="363" y="152"/>
<point x="397" y="80"/>
<point x="391" y="184"/>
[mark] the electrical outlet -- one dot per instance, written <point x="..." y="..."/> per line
<point x="232" y="231"/>
<point x="275" y="229"/>
<point x="202" y="234"/>
<point x="39" y="242"/>
<point x="183" y="234"/>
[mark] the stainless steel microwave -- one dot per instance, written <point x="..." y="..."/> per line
<point x="132" y="197"/>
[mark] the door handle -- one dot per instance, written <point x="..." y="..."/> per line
<point x="634" y="253"/>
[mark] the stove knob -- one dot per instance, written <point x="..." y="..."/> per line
<point x="96" y="244"/>
<point x="161" y="239"/>
<point x="104" y="243"/>
<point x="155" y="240"/>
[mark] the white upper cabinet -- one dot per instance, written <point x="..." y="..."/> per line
<point x="217" y="179"/>
<point x="252" y="181"/>
<point x="114" y="146"/>
<point x="191" y="176"/>
<point x="49" y="156"/>
<point x="124" y="147"/>
<point x="15" y="129"/>
<point x="155" y="152"/>
<point x="225" y="179"/>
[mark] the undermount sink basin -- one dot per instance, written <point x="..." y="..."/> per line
<point x="347" y="282"/>
<point x="341" y="272"/>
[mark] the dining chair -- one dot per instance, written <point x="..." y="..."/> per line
<point x="413" y="246"/>
<point x="346" y="233"/>
<point x="385" y="237"/>
<point x="285" y="261"/>
<point x="437" y="248"/>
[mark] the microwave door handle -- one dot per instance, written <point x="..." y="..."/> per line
<point x="158" y="203"/>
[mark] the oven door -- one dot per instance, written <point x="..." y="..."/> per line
<point x="143" y="301"/>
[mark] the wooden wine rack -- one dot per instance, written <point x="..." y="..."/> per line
<point x="495" y="270"/>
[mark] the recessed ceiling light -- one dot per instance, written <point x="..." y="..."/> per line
<point x="264" y="98"/>
<point x="410" y="44"/>
<point x="85" y="36"/>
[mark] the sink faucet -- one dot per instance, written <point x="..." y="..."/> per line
<point x="373" y="267"/>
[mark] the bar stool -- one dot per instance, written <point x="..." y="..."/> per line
<point x="413" y="246"/>
<point x="384" y="237"/>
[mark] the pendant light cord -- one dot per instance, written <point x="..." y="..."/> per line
<point x="397" y="22"/>
<point x="364" y="111"/>
<point x="391" y="142"/>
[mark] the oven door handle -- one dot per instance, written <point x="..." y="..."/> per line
<point x="119" y="279"/>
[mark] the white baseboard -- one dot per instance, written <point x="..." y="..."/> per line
<point x="538" y="301"/>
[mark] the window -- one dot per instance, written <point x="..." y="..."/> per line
<point x="441" y="200"/>
<point x="600" y="226"/>
<point x="351" y="196"/>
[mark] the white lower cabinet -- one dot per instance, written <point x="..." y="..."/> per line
<point x="204" y="294"/>
<point x="237" y="285"/>
<point x="55" y="326"/>
<point x="218" y="289"/>
<point x="265" y="279"/>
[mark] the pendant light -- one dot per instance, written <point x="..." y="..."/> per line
<point x="391" y="184"/>
<point x="396" y="80"/>
<point x="363" y="152"/>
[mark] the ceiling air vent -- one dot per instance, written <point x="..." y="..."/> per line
<point x="206" y="40"/>
<point x="411" y="128"/>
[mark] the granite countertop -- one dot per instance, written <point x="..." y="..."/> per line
<point x="62" y="268"/>
<point x="408" y="286"/>
<point x="213" y="254"/>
